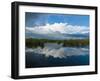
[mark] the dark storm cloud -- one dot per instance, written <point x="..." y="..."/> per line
<point x="34" y="19"/>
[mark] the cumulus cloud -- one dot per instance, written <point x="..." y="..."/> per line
<point x="57" y="51"/>
<point x="63" y="28"/>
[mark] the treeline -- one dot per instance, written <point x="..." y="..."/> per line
<point x="33" y="43"/>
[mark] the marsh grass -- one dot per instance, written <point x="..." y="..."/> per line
<point x="33" y="43"/>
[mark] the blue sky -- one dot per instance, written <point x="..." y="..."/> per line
<point x="40" y="19"/>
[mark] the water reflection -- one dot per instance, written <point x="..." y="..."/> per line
<point x="54" y="54"/>
<point x="58" y="51"/>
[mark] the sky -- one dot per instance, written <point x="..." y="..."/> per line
<point x="56" y="26"/>
<point x="38" y="19"/>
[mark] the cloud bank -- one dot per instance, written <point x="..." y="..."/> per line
<point x="59" y="27"/>
<point x="62" y="30"/>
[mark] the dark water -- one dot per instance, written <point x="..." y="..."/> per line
<point x="34" y="60"/>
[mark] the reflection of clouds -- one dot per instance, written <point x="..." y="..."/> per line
<point x="57" y="51"/>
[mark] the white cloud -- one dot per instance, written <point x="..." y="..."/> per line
<point x="57" y="51"/>
<point x="58" y="28"/>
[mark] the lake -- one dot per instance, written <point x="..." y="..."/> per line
<point x="54" y="55"/>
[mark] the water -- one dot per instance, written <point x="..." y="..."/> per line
<point x="53" y="55"/>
